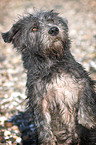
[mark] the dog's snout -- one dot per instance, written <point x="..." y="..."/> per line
<point x="53" y="31"/>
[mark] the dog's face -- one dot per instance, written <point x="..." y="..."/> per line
<point x="44" y="33"/>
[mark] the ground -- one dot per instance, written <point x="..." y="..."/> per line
<point x="81" y="17"/>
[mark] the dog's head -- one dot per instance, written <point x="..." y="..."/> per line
<point x="44" y="34"/>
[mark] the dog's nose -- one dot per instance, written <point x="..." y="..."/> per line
<point x="53" y="31"/>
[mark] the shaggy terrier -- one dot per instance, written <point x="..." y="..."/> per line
<point x="61" y="94"/>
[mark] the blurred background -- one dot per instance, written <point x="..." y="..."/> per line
<point x="81" y="17"/>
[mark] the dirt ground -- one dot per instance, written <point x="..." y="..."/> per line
<point x="81" y="17"/>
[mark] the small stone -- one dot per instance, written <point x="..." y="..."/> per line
<point x="7" y="124"/>
<point x="15" y="128"/>
<point x="7" y="133"/>
<point x="18" y="140"/>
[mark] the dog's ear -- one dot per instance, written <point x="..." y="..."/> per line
<point x="13" y="35"/>
<point x="7" y="37"/>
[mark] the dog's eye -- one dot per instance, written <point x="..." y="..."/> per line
<point x="34" y="29"/>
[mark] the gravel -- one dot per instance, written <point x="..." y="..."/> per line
<point x="81" y="16"/>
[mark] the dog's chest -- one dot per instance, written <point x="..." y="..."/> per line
<point x="62" y="91"/>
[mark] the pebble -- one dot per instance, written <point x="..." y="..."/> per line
<point x="93" y="64"/>
<point x="6" y="133"/>
<point x="18" y="140"/>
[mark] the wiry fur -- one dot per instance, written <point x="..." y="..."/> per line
<point x="60" y="92"/>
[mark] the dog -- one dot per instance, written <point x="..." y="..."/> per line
<point x="61" y="94"/>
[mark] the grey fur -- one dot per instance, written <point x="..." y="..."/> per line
<point x="60" y="92"/>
